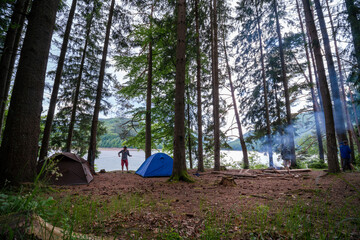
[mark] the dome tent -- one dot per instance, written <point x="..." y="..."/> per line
<point x="74" y="169"/>
<point x="157" y="165"/>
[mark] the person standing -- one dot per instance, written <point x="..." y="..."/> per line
<point x="286" y="156"/>
<point x="345" y="153"/>
<point x="124" y="158"/>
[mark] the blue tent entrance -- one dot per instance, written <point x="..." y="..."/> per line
<point x="157" y="165"/>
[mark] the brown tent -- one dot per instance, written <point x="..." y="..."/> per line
<point x="74" y="169"/>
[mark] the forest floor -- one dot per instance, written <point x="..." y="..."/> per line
<point x="260" y="206"/>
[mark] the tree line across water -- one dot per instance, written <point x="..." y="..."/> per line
<point x="187" y="65"/>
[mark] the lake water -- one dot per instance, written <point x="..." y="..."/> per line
<point x="110" y="161"/>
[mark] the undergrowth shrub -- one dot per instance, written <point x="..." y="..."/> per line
<point x="317" y="164"/>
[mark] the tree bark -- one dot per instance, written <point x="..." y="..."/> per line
<point x="19" y="147"/>
<point x="9" y="53"/>
<point x="179" y="168"/>
<point x="78" y="83"/>
<point x="198" y="89"/>
<point x="57" y="82"/>
<point x="95" y="120"/>
<point x="189" y="126"/>
<point x="289" y="131"/>
<point x="354" y="110"/>
<point x="12" y="62"/>
<point x="267" y="114"/>
<point x="355" y="27"/>
<point x="338" y="114"/>
<point x="333" y="164"/>
<point x="148" y="94"/>
<point x="236" y="111"/>
<point x="311" y="85"/>
<point x="316" y="80"/>
<point x="216" y="89"/>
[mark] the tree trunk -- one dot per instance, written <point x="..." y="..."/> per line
<point x="95" y="120"/>
<point x="9" y="52"/>
<point x="216" y="90"/>
<point x="338" y="114"/>
<point x="355" y="27"/>
<point x="354" y="110"/>
<point x="19" y="147"/>
<point x="316" y="108"/>
<point x="189" y="126"/>
<point x="267" y="114"/>
<point x="148" y="94"/>
<point x="289" y="131"/>
<point x="278" y="109"/>
<point x="198" y="89"/>
<point x="78" y="83"/>
<point x="57" y="82"/>
<point x="349" y="126"/>
<point x="357" y="124"/>
<point x="179" y="168"/>
<point x="12" y="62"/>
<point x="237" y="117"/>
<point x="316" y="80"/>
<point x="332" y="158"/>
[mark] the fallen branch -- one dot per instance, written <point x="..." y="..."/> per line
<point x="263" y="197"/>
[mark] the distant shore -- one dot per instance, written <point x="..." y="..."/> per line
<point x="118" y="149"/>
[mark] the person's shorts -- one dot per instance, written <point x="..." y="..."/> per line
<point x="124" y="161"/>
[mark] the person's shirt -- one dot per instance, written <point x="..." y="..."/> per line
<point x="345" y="151"/>
<point x="124" y="154"/>
<point x="285" y="153"/>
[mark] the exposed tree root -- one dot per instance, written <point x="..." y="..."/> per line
<point x="183" y="176"/>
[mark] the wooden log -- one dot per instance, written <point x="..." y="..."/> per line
<point x="285" y="171"/>
<point x="236" y="175"/>
<point x="44" y="230"/>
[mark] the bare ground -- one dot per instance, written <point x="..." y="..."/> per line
<point x="185" y="206"/>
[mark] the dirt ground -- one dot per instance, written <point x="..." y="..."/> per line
<point x="185" y="200"/>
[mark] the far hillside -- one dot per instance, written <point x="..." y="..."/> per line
<point x="118" y="131"/>
<point x="304" y="126"/>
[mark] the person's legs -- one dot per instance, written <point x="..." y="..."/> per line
<point x="343" y="164"/>
<point x="347" y="164"/>
<point x="126" y="164"/>
<point x="288" y="164"/>
<point x="122" y="165"/>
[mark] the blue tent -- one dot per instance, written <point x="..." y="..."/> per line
<point x="157" y="165"/>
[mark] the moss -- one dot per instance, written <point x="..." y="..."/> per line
<point x="183" y="176"/>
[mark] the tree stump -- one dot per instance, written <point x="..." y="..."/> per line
<point x="227" y="182"/>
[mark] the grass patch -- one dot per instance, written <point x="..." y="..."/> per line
<point x="92" y="215"/>
<point x="124" y="216"/>
<point x="301" y="220"/>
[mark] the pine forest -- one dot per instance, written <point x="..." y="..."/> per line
<point x="179" y="119"/>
